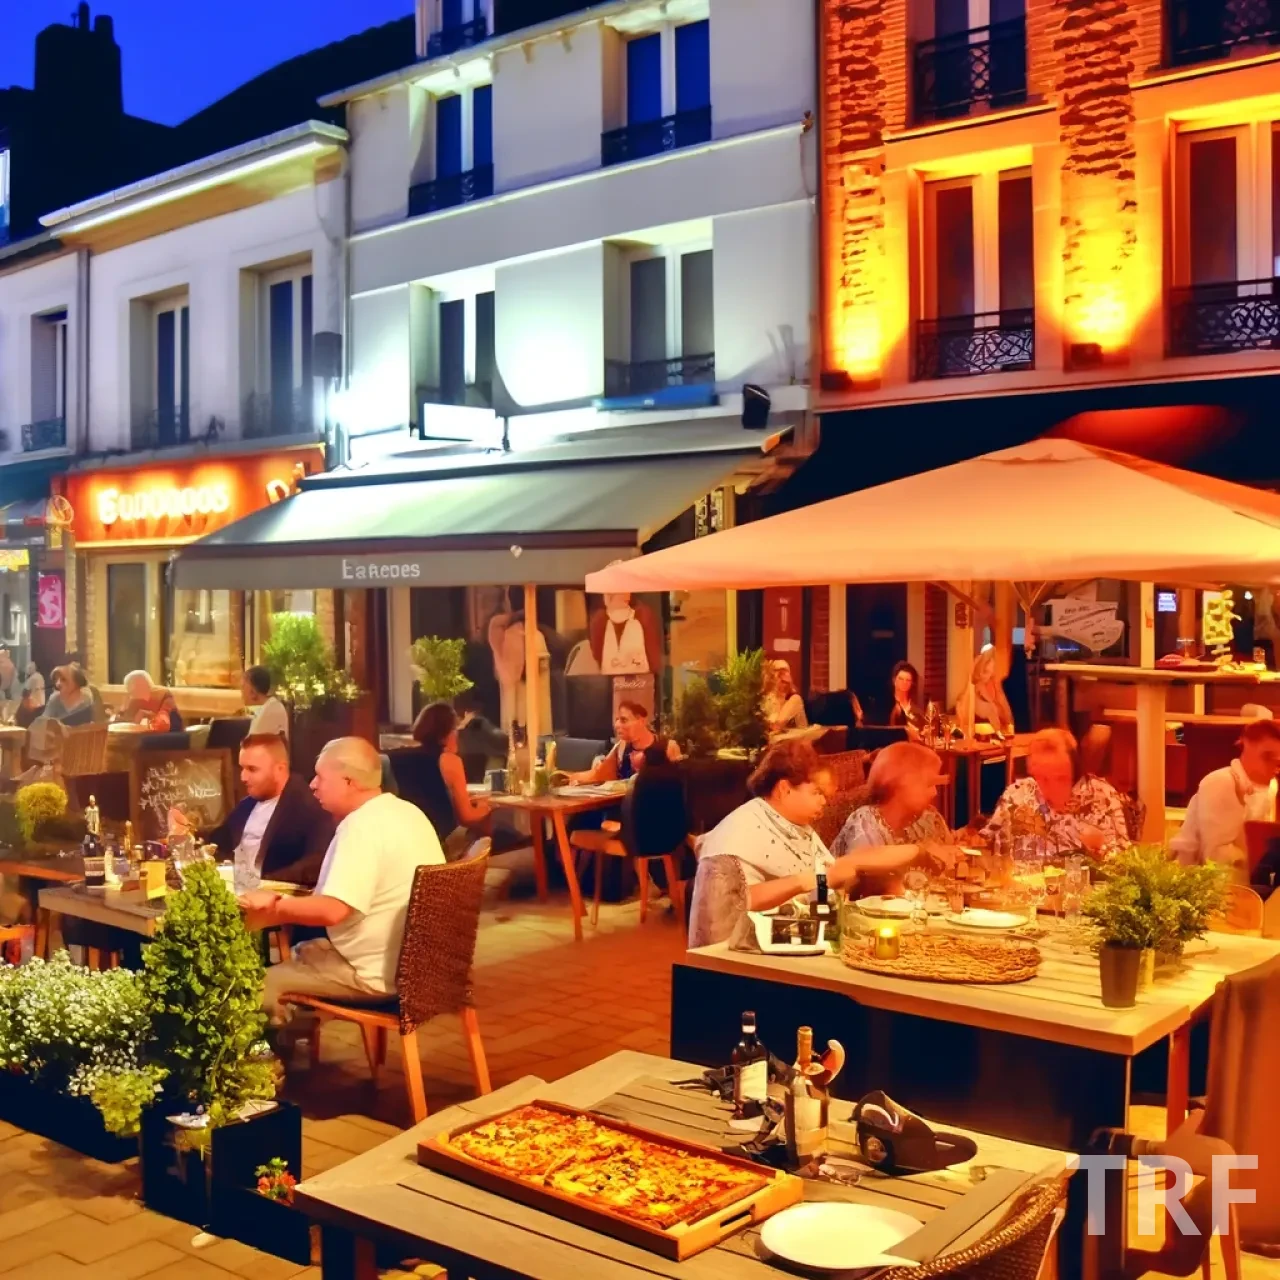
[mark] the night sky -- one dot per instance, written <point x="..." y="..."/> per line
<point x="179" y="56"/>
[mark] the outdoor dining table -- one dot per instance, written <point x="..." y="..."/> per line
<point x="975" y="755"/>
<point x="557" y="808"/>
<point x="384" y="1197"/>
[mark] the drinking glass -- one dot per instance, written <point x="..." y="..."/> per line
<point x="1028" y="875"/>
<point x="915" y="885"/>
<point x="1075" y="884"/>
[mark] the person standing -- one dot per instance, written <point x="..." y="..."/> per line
<point x="268" y="712"/>
<point x="362" y="894"/>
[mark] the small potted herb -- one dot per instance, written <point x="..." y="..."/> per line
<point x="275" y="1182"/>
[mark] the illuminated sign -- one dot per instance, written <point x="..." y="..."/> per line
<point x="1166" y="602"/>
<point x="157" y="504"/>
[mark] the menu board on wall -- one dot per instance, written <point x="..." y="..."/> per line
<point x="198" y="782"/>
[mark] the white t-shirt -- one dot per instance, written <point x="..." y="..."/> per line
<point x="271" y="717"/>
<point x="247" y="862"/>
<point x="1214" y="827"/>
<point x="370" y="866"/>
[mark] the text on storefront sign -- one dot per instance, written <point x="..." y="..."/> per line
<point x="359" y="571"/>
<point x="154" y="504"/>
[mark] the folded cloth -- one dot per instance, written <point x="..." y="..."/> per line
<point x="895" y="1140"/>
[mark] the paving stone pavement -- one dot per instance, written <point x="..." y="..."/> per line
<point x="547" y="1006"/>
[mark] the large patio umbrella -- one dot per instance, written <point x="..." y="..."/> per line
<point x="1043" y="513"/>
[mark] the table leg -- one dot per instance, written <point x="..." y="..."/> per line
<point x="1178" y="1085"/>
<point x="949" y="791"/>
<point x="974" y="765"/>
<point x="538" y="832"/>
<point x="1152" y="701"/>
<point x="570" y="872"/>
<point x="344" y="1256"/>
<point x="43" y="931"/>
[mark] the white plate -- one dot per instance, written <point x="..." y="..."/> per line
<point x="980" y="918"/>
<point x="898" y="908"/>
<point x="838" y="1237"/>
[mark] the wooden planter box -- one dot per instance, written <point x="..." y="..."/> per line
<point x="61" y="1117"/>
<point x="217" y="1190"/>
<point x="312" y="730"/>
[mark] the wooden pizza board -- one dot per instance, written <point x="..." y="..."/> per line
<point x="677" y="1242"/>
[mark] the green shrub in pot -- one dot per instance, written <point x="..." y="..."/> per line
<point x="437" y="665"/>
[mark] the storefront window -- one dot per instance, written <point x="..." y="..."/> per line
<point x="126" y="620"/>
<point x="15" y="595"/>
<point x="205" y="644"/>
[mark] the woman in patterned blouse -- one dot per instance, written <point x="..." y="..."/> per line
<point x="904" y="784"/>
<point x="1053" y="811"/>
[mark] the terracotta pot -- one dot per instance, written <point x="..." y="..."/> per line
<point x="1146" y="968"/>
<point x="1118" y="969"/>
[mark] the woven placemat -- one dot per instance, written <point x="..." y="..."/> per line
<point x="948" y="958"/>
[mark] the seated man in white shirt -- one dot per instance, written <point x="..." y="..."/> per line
<point x="362" y="895"/>
<point x="1245" y="791"/>
<point x="267" y="711"/>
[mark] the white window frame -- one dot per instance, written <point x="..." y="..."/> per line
<point x="986" y="238"/>
<point x="265" y="280"/>
<point x="1256" y="257"/>
<point x="177" y="303"/>
<point x="56" y="323"/>
<point x="671" y="254"/>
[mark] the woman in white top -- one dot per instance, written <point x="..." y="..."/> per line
<point x="772" y="840"/>
<point x="783" y="706"/>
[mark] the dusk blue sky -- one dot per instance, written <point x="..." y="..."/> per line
<point x="179" y="56"/>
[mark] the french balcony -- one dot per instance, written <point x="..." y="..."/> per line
<point x="1213" y="319"/>
<point x="447" y="193"/>
<point x="267" y="415"/>
<point x="1204" y="30"/>
<point x="982" y="68"/>
<point x="468" y="395"/>
<point x="162" y="428"/>
<point x="463" y="36"/>
<point x="645" y="377"/>
<point x="653" y="137"/>
<point x="964" y="346"/>
<point x="48" y="434"/>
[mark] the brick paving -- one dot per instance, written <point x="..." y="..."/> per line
<point x="547" y="1006"/>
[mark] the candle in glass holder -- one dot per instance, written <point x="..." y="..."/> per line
<point x="887" y="942"/>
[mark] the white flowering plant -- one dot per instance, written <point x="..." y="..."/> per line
<point x="303" y="670"/>
<point x="85" y="1032"/>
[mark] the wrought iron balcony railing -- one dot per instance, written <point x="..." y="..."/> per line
<point x="644" y="377"/>
<point x="463" y="36"/>
<point x="1241" y="315"/>
<point x="266" y="415"/>
<point x="961" y="346"/>
<point x="162" y="428"/>
<point x="49" y="434"/>
<point x="653" y="137"/>
<point x="985" y="66"/>
<point x="445" y="193"/>
<point x="1202" y="30"/>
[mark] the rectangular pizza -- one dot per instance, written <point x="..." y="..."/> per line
<point x="607" y="1168"/>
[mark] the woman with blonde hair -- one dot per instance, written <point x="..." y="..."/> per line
<point x="983" y="701"/>
<point x="781" y="703"/>
<point x="1055" y="810"/>
<point x="904" y="781"/>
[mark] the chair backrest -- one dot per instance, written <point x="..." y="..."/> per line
<point x="433" y="975"/>
<point x="714" y="789"/>
<point x="179" y="741"/>
<point x="84" y="750"/>
<point x="1209" y="747"/>
<point x="655" y="812"/>
<point x="848" y="768"/>
<point x="1013" y="1250"/>
<point x="832" y="819"/>
<point x="1257" y="840"/>
<point x="229" y="733"/>
<point x="1241" y="912"/>
<point x="719" y="901"/>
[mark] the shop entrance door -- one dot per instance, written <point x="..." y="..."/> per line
<point x="876" y="638"/>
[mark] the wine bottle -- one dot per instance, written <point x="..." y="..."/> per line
<point x="822" y="910"/>
<point x="806" y="1105"/>
<point x="750" y="1064"/>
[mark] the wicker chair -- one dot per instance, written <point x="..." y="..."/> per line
<point x="1014" y="1250"/>
<point x="84" y="750"/>
<point x="433" y="975"/>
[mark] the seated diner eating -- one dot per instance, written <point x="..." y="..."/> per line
<point x="903" y="785"/>
<point x="1055" y="810"/>
<point x="625" y="757"/>
<point x="362" y="894"/>
<point x="150" y="705"/>
<point x="71" y="703"/>
<point x="769" y="845"/>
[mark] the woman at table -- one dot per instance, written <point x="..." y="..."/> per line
<point x="150" y="705"/>
<point x="782" y="705"/>
<point x="766" y="852"/>
<point x="905" y="686"/>
<point x="903" y="785"/>
<point x="71" y="703"/>
<point x="442" y="782"/>
<point x="1054" y="810"/>
<point x="626" y="756"/>
<point x="983" y="701"/>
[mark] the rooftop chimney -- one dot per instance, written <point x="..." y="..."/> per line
<point x="78" y="69"/>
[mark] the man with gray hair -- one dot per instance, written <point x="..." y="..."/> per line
<point x="362" y="895"/>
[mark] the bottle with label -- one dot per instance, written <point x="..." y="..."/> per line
<point x="807" y="1105"/>
<point x="750" y="1063"/>
<point x="822" y="909"/>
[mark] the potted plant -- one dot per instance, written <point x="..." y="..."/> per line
<point x="73" y="1055"/>
<point x="1199" y="893"/>
<point x="217" y="1120"/>
<point x="739" y="687"/>
<point x="697" y="725"/>
<point x="437" y="663"/>
<point x="36" y="804"/>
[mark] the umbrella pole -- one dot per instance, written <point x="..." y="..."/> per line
<point x="532" y="675"/>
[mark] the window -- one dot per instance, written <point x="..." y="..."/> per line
<point x="459" y="24"/>
<point x="172" y="386"/>
<point x="463" y="153"/>
<point x="1226" y="240"/>
<point x="47" y="429"/>
<point x="4" y="194"/>
<point x="453" y="351"/>
<point x="486" y="357"/>
<point x="482" y="126"/>
<point x="448" y="136"/>
<point x="284" y="404"/>
<point x="126" y="620"/>
<point x="978" y="57"/>
<point x="668" y="93"/>
<point x="464" y="352"/>
<point x="979" y="295"/>
<point x="203" y="638"/>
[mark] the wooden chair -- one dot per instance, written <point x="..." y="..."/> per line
<point x="1016" y="1249"/>
<point x="1242" y="913"/>
<point x="433" y="975"/>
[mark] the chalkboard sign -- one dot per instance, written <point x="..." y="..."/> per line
<point x="200" y="782"/>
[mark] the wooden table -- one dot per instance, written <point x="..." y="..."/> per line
<point x="385" y="1197"/>
<point x="557" y="808"/>
<point x="1151" y="689"/>
<point x="1174" y="719"/>
<point x="54" y="871"/>
<point x="13" y="741"/>
<point x="102" y="908"/>
<point x="975" y="755"/>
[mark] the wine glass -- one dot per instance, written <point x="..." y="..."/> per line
<point x="915" y="885"/>
<point x="1028" y="875"/>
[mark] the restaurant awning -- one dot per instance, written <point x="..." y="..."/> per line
<point x="548" y="518"/>
<point x="1051" y="511"/>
